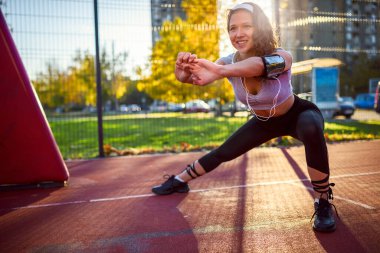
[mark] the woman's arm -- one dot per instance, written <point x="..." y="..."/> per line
<point x="252" y="66"/>
<point x="182" y="67"/>
<point x="204" y="71"/>
<point x="220" y="62"/>
<point x="288" y="58"/>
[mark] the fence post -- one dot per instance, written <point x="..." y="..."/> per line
<point x="277" y="19"/>
<point x="99" y="104"/>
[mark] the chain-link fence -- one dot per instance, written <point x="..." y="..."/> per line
<point x="56" y="41"/>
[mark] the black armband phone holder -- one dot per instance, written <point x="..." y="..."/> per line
<point x="273" y="65"/>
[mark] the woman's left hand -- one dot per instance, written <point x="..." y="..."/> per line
<point x="204" y="72"/>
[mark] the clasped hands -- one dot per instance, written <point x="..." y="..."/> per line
<point x="196" y="71"/>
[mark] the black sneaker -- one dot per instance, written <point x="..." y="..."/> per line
<point x="170" y="186"/>
<point x="324" y="218"/>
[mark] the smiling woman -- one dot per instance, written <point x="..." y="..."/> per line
<point x="250" y="34"/>
<point x="225" y="8"/>
<point x="260" y="74"/>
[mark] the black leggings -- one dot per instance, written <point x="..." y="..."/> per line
<point x="303" y="121"/>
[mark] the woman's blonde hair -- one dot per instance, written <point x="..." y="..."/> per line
<point x="264" y="38"/>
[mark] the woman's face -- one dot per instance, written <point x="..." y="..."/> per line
<point x="240" y="31"/>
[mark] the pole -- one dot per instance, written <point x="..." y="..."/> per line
<point x="99" y="104"/>
<point x="277" y="19"/>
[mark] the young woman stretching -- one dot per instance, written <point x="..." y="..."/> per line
<point x="260" y="74"/>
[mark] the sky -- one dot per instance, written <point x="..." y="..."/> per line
<point x="53" y="30"/>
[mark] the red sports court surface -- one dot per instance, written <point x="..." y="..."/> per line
<point x="259" y="202"/>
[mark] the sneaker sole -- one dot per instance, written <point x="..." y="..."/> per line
<point x="168" y="193"/>
<point x="183" y="191"/>
<point x="325" y="230"/>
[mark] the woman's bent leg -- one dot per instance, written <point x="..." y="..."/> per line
<point x="309" y="130"/>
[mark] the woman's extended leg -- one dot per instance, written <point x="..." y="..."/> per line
<point x="248" y="136"/>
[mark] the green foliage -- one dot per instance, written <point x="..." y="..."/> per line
<point x="81" y="86"/>
<point x="76" y="86"/>
<point x="49" y="86"/>
<point x="115" y="82"/>
<point x="198" y="34"/>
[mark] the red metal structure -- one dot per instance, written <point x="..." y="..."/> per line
<point x="28" y="151"/>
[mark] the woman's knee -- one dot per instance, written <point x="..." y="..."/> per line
<point x="214" y="158"/>
<point x="310" y="126"/>
<point x="223" y="155"/>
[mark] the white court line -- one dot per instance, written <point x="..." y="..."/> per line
<point x="122" y="197"/>
<point x="356" y="174"/>
<point x="337" y="197"/>
<point x="203" y="190"/>
<point x="51" y="204"/>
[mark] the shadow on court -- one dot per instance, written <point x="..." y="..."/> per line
<point x="331" y="242"/>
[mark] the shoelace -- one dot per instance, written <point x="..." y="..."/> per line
<point x="168" y="181"/>
<point x="323" y="210"/>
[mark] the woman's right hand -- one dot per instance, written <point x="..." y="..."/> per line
<point x="182" y="70"/>
<point x="205" y="72"/>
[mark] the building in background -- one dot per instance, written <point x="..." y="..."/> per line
<point x="164" y="10"/>
<point x="329" y="29"/>
<point x="362" y="31"/>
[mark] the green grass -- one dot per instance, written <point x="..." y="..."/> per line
<point x="341" y="130"/>
<point x="174" y="132"/>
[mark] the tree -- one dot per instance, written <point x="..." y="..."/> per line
<point x="198" y="34"/>
<point x="81" y="86"/>
<point x="49" y="86"/>
<point x="76" y="87"/>
<point x="115" y="82"/>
